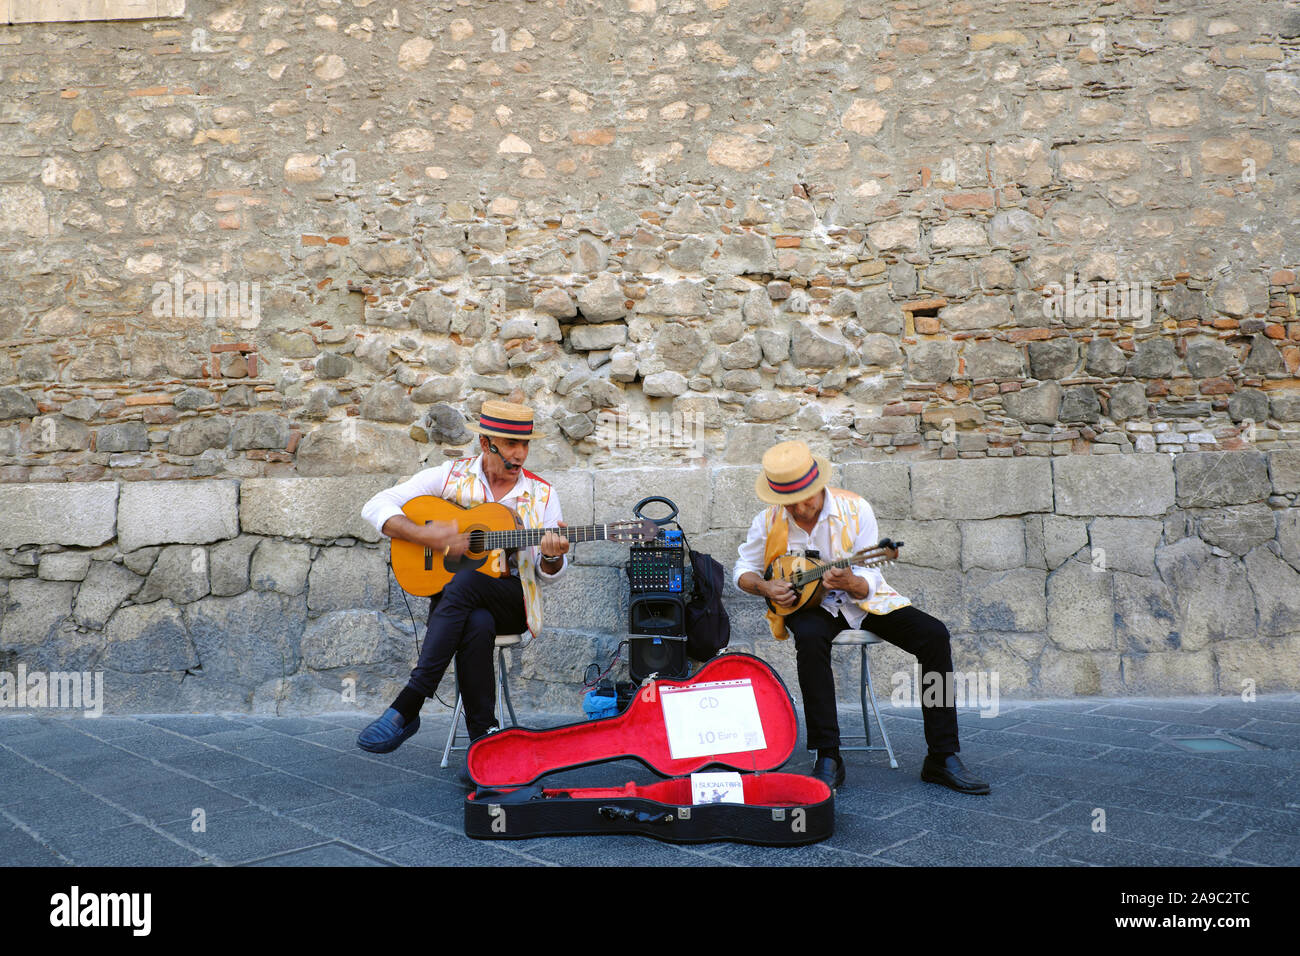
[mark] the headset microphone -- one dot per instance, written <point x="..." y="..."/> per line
<point x="510" y="465"/>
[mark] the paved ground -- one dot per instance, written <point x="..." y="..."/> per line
<point x="296" y="791"/>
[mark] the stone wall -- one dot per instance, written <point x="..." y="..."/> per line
<point x="265" y="239"/>
<point x="1146" y="574"/>
<point x="268" y="245"/>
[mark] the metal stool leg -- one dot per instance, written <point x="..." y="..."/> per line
<point x="503" y="705"/>
<point x="871" y="696"/>
<point x="503" y="689"/>
<point x="864" y="671"/>
<point x="451" y="734"/>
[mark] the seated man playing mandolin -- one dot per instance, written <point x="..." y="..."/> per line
<point x="473" y="607"/>
<point x="838" y="524"/>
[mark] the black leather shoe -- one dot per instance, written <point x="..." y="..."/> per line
<point x="387" y="733"/>
<point x="950" y="772"/>
<point x="829" y="770"/>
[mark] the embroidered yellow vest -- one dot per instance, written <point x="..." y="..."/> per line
<point x="464" y="488"/>
<point x="846" y="523"/>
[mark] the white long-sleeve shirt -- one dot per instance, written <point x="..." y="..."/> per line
<point x="431" y="481"/>
<point x="835" y="602"/>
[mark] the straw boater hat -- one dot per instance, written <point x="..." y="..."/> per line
<point x="791" y="473"/>
<point x="504" y="420"/>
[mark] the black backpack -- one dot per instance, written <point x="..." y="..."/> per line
<point x="708" y="628"/>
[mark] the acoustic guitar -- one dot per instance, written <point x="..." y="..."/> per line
<point x="493" y="530"/>
<point x="804" y="574"/>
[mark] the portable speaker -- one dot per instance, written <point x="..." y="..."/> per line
<point x="656" y="626"/>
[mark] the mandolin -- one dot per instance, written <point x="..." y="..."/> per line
<point x="804" y="574"/>
<point x="493" y="530"/>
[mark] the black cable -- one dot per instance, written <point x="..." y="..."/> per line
<point x="590" y="684"/>
<point x="415" y="630"/>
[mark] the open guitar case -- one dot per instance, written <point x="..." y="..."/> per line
<point x="779" y="809"/>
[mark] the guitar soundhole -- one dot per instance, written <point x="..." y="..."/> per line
<point x="476" y="542"/>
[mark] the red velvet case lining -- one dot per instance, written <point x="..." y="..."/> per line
<point x="764" y="789"/>
<point x="519" y="756"/>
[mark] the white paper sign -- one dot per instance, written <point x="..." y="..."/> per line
<point x="719" y="717"/>
<point x="719" y="786"/>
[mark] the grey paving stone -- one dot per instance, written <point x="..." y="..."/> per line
<point x="213" y="766"/>
<point x="134" y="845"/>
<point x="1273" y="849"/>
<point x="1094" y="770"/>
<point x="439" y="803"/>
<point x="163" y="797"/>
<point x="626" y="850"/>
<point x="362" y="823"/>
<point x="1262" y="709"/>
<point x="328" y="854"/>
<point x="21" y="849"/>
<point x="1286" y="822"/>
<point x="294" y="726"/>
<point x="54" y="742"/>
<point x="931" y="848"/>
<point x="970" y="824"/>
<point x="1289" y="742"/>
<point x="228" y="739"/>
<point x="1038" y="744"/>
<point x="243" y="835"/>
<point x="161" y="746"/>
<point x="1092" y="734"/>
<point x="110" y="728"/>
<point x="865" y="835"/>
<point x="1169" y="710"/>
<point x="818" y="854"/>
<point x="280" y="791"/>
<point x="199" y="725"/>
<point x="356" y="776"/>
<point x="1156" y="829"/>
<point x="1112" y="795"/>
<point x="276" y="750"/>
<point x="1008" y="799"/>
<point x="19" y="725"/>
<point x="447" y="848"/>
<point x="1050" y="763"/>
<point x="342" y="739"/>
<point x="61" y="808"/>
<point x="1105" y="850"/>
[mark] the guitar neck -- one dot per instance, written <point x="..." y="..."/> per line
<point x="530" y="537"/>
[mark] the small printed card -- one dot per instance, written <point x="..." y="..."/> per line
<point x="717" y="717"/>
<point x="717" y="787"/>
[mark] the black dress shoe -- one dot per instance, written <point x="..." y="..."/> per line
<point x="829" y="770"/>
<point x="949" y="771"/>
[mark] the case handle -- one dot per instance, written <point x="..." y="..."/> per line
<point x="627" y="814"/>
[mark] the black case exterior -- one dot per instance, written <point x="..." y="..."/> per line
<point x="491" y="815"/>
<point x="786" y="809"/>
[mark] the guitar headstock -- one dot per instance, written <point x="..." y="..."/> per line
<point x="632" y="531"/>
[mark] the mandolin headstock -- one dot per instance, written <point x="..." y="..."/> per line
<point x="885" y="552"/>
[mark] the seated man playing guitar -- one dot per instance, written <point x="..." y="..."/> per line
<point x="838" y="524"/>
<point x="473" y="607"/>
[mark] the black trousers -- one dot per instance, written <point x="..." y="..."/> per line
<point x="909" y="628"/>
<point x="464" y="621"/>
